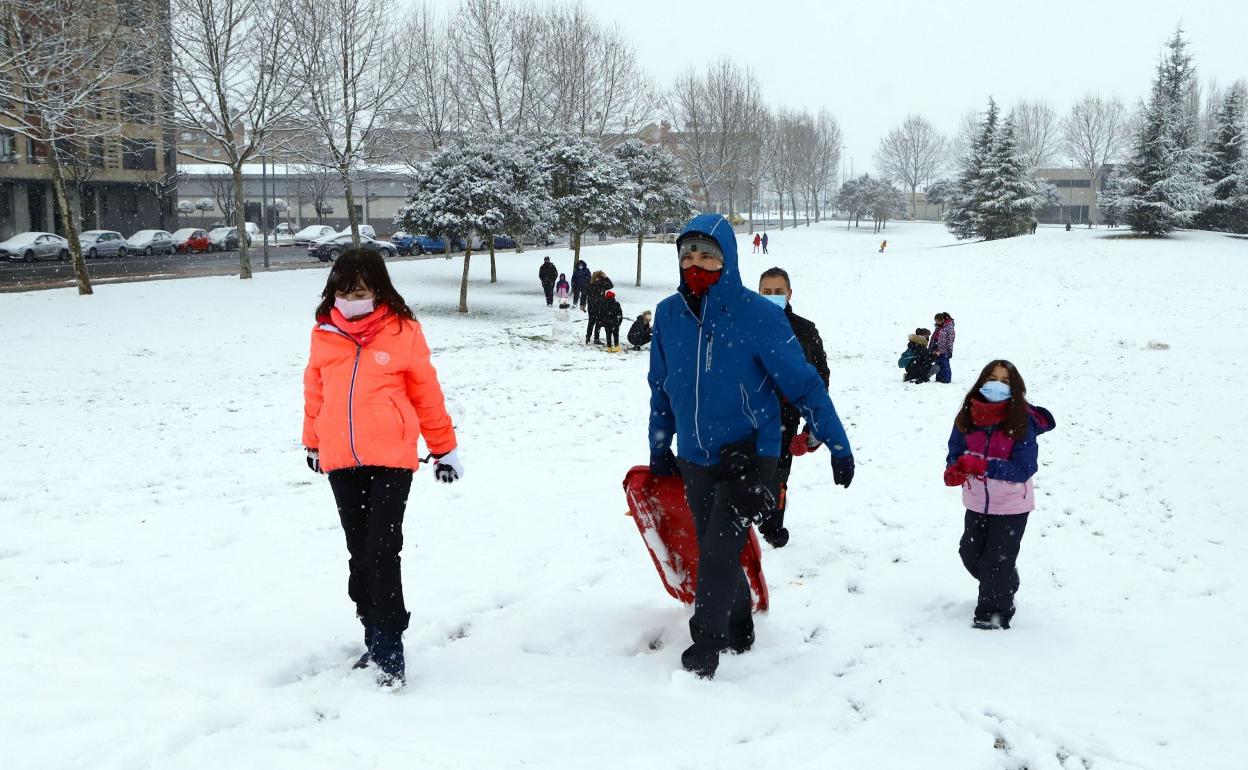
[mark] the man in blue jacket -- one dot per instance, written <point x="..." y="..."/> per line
<point x="720" y="356"/>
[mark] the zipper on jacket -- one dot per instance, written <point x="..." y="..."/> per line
<point x="351" y="404"/>
<point x="987" y="449"/>
<point x="697" y="397"/>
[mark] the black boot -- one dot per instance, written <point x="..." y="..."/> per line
<point x="741" y="637"/>
<point x="367" y="657"/>
<point x="700" y="661"/>
<point x="388" y="655"/>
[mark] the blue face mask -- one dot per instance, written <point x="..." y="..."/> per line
<point x="779" y="300"/>
<point x="995" y="391"/>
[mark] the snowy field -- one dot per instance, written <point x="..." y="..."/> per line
<point x="173" y="578"/>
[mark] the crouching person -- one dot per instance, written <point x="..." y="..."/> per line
<point x="640" y="333"/>
<point x="370" y="392"/>
<point x="720" y="358"/>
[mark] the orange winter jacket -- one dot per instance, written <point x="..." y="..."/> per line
<point x="367" y="405"/>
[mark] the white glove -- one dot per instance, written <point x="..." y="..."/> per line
<point x="314" y="461"/>
<point x="447" y="468"/>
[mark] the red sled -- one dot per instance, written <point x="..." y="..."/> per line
<point x="658" y="505"/>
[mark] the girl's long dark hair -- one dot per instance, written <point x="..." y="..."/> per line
<point x="1015" y="422"/>
<point x="360" y="266"/>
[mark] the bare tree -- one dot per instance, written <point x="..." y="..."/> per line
<point x="590" y="79"/>
<point x="66" y="68"/>
<point x="430" y="103"/>
<point x="1095" y="133"/>
<point x="232" y="83"/>
<point x="716" y="114"/>
<point x="316" y="185"/>
<point x="221" y="185"/>
<point x="1038" y="133"/>
<point x="350" y="67"/>
<point x="825" y="157"/>
<point x="914" y="154"/>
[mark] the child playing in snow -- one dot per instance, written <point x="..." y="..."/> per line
<point x="562" y="290"/>
<point x="612" y="317"/>
<point x="370" y="393"/>
<point x="883" y="245"/>
<point x="993" y="455"/>
<point x="640" y="333"/>
<point x="917" y="360"/>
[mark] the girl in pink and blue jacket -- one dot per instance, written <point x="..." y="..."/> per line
<point x="993" y="455"/>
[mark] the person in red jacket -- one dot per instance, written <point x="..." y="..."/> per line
<point x="370" y="392"/>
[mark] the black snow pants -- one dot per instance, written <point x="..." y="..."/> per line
<point x="989" y="551"/>
<point x="613" y="335"/>
<point x="593" y="325"/>
<point x="720" y="498"/>
<point x="772" y="525"/>
<point x="371" y="502"/>
<point x="579" y="297"/>
<point x="549" y="289"/>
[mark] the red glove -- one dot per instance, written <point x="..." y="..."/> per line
<point x="972" y="465"/>
<point x="802" y="443"/>
<point x="954" y="477"/>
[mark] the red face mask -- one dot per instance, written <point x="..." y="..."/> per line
<point x="699" y="280"/>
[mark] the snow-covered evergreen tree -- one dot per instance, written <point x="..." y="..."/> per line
<point x="460" y="193"/>
<point x="1164" y="185"/>
<point x="941" y="193"/>
<point x="589" y="186"/>
<point x="885" y="202"/>
<point x="1109" y="200"/>
<point x="1005" y="198"/>
<point x="658" y="193"/>
<point x="854" y="199"/>
<point x="1228" y="162"/>
<point x="962" y="215"/>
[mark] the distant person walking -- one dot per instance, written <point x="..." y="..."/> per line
<point x="580" y="284"/>
<point x="763" y="241"/>
<point x="757" y="240"/>
<point x="1034" y="225"/>
<point x="942" y="346"/>
<point x="548" y="274"/>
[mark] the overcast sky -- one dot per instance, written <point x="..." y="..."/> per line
<point x="871" y="63"/>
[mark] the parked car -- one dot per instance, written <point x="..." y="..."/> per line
<point x="32" y="246"/>
<point x="150" y="242"/>
<point x="283" y="229"/>
<point x="102" y="243"/>
<point x="253" y="230"/>
<point x="540" y="240"/>
<point x="500" y="242"/>
<point x="191" y="240"/>
<point x="216" y="237"/>
<point x="365" y="230"/>
<point x="230" y="241"/>
<point x="424" y="244"/>
<point x="311" y="234"/>
<point x="331" y="247"/>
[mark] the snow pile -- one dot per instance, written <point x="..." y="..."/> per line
<point x="173" y="579"/>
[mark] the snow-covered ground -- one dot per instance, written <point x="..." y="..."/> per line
<point x="173" y="578"/>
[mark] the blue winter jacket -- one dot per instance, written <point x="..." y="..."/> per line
<point x="716" y="380"/>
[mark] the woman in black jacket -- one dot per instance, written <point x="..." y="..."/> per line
<point x="599" y="285"/>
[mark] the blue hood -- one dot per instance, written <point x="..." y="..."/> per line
<point x="717" y="227"/>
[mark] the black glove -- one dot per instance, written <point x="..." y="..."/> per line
<point x="314" y="461"/>
<point x="750" y="500"/>
<point x="664" y="464"/>
<point x="843" y="470"/>
<point x="447" y="468"/>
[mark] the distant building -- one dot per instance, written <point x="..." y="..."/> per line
<point x="124" y="182"/>
<point x="1079" y="198"/>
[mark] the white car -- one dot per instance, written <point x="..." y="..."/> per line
<point x="311" y="234"/>
<point x="32" y="246"/>
<point x="366" y="231"/>
<point x="151" y="242"/>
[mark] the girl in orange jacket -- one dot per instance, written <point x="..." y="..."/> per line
<point x="369" y="393"/>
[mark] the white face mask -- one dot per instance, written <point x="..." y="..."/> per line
<point x="355" y="308"/>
